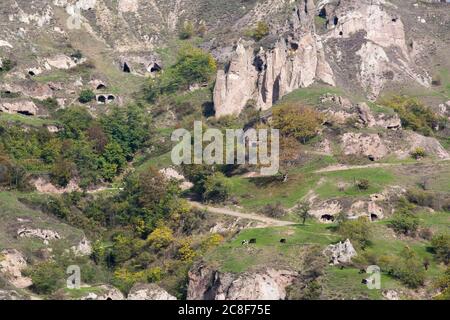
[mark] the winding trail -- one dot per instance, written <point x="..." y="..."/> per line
<point x="268" y="222"/>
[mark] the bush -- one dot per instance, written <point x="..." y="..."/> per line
<point x="160" y="238"/>
<point x="413" y="114"/>
<point x="418" y="153"/>
<point x="47" y="277"/>
<point x="297" y="121"/>
<point x="404" y="223"/>
<point x="217" y="188"/>
<point x="260" y="31"/>
<point x="443" y="285"/>
<point x="187" y="30"/>
<point x="358" y="230"/>
<point x="273" y="210"/>
<point x="7" y="65"/>
<point x="62" y="172"/>
<point x="406" y="267"/>
<point x="441" y="247"/>
<point x="363" y="184"/>
<point x="86" y="96"/>
<point x="193" y="66"/>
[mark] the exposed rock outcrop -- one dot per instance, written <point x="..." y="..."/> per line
<point x="83" y="248"/>
<point x="43" y="234"/>
<point x="342" y="252"/>
<point x="12" y="263"/>
<point x="149" y="292"/>
<point x="369" y="145"/>
<point x="208" y="284"/>
<point x="44" y="186"/>
<point x="294" y="62"/>
<point x="22" y="106"/>
<point x="105" y="292"/>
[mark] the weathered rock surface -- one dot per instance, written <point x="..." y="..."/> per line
<point x="21" y="106"/>
<point x="8" y="295"/>
<point x="149" y="292"/>
<point x="43" y="234"/>
<point x="369" y="145"/>
<point x="342" y="252"/>
<point x="83" y="248"/>
<point x="268" y="75"/>
<point x="105" y="292"/>
<point x="12" y="263"/>
<point x="268" y="284"/>
<point x="44" y="186"/>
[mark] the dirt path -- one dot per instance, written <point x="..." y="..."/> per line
<point x="268" y="222"/>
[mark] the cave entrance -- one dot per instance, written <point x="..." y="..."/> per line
<point x="327" y="217"/>
<point x="335" y="21"/>
<point x="126" y="68"/>
<point x="323" y="13"/>
<point x="25" y="113"/>
<point x="155" y="68"/>
<point x="101" y="86"/>
<point x="111" y="98"/>
<point x="373" y="217"/>
<point x="101" y="99"/>
<point x="31" y="73"/>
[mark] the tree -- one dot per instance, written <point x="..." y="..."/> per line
<point x="62" y="172"/>
<point x="86" y="96"/>
<point x="358" y="230"/>
<point x="302" y="210"/>
<point x="297" y="121"/>
<point x="161" y="237"/>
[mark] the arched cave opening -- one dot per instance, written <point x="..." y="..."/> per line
<point x="111" y="98"/>
<point x="323" y="13"/>
<point x="327" y="217"/>
<point x="101" y="86"/>
<point x="31" y="73"/>
<point x="126" y="68"/>
<point x="335" y="21"/>
<point x="101" y="99"/>
<point x="373" y="217"/>
<point x="155" y="68"/>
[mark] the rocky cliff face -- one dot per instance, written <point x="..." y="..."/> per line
<point x="364" y="46"/>
<point x="208" y="284"/>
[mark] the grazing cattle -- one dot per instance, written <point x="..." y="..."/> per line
<point x="283" y="240"/>
<point x="244" y="242"/>
<point x="252" y="241"/>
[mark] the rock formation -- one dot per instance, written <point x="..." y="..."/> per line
<point x="12" y="263"/>
<point x="149" y="292"/>
<point x="342" y="252"/>
<point x="209" y="284"/>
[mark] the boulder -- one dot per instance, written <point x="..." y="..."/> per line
<point x="8" y="295"/>
<point x="83" y="248"/>
<point x="342" y="252"/>
<point x="61" y="61"/>
<point x="149" y="292"/>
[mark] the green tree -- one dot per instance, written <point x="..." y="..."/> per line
<point x="358" y="230"/>
<point x="302" y="210"/>
<point x="62" y="172"/>
<point x="297" y="121"/>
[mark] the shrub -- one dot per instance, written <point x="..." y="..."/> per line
<point x="62" y="172"/>
<point x="86" y="96"/>
<point x="441" y="247"/>
<point x="406" y="267"/>
<point x="297" y="121"/>
<point x="413" y="114"/>
<point x="443" y="285"/>
<point x="418" y="153"/>
<point x="404" y="223"/>
<point x="160" y="238"/>
<point x="217" y="188"/>
<point x="46" y="277"/>
<point x="7" y="65"/>
<point x="358" y="230"/>
<point x="260" y="31"/>
<point x="273" y="210"/>
<point x="187" y="30"/>
<point x="363" y="184"/>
